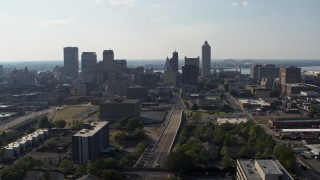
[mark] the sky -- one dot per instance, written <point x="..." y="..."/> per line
<point x="153" y="29"/>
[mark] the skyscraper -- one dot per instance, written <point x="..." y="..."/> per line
<point x="206" y="59"/>
<point x="71" y="62"/>
<point x="88" y="65"/>
<point x="290" y="75"/>
<point x="174" y="61"/>
<point x="108" y="58"/>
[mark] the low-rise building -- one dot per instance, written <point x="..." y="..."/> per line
<point x="253" y="103"/>
<point x="261" y="169"/>
<point x="14" y="149"/>
<point x="231" y="120"/>
<point x="116" y="109"/>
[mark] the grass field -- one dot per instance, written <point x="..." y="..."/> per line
<point x="69" y="113"/>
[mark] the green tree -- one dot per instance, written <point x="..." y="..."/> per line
<point x="81" y="170"/>
<point x="44" y="122"/>
<point x="65" y="166"/>
<point x="60" y="123"/>
<point x="285" y="156"/>
<point x="50" y="143"/>
<point x="226" y="161"/>
<point x="111" y="174"/>
<point x="194" y="107"/>
<point x="46" y="176"/>
<point x="132" y="124"/>
<point x="91" y="168"/>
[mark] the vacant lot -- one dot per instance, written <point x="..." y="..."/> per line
<point x="70" y="113"/>
<point x="264" y="119"/>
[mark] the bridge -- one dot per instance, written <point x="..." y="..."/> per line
<point x="233" y="64"/>
<point x="155" y="157"/>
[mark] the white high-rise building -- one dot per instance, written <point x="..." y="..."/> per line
<point x="206" y="59"/>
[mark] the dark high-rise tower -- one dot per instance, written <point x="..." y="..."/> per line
<point x="206" y="59"/>
<point x="88" y="65"/>
<point x="108" y="58"/>
<point x="174" y="61"/>
<point x="71" y="62"/>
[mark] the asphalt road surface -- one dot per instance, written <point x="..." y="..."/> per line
<point x="22" y="119"/>
<point x="163" y="148"/>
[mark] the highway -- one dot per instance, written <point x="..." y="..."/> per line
<point x="158" y="154"/>
<point x="11" y="124"/>
<point x="166" y="141"/>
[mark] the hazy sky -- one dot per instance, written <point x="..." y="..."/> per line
<point x="152" y="29"/>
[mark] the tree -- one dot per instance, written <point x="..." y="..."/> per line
<point x="91" y="168"/>
<point x="226" y="161"/>
<point x="46" y="176"/>
<point x="132" y="124"/>
<point x="44" y="122"/>
<point x="285" y="156"/>
<point x="194" y="106"/>
<point x="313" y="112"/>
<point x="50" y="143"/>
<point x="81" y="170"/>
<point x="60" y="123"/>
<point x="179" y="161"/>
<point x="65" y="166"/>
<point x="111" y="174"/>
<point x="18" y="170"/>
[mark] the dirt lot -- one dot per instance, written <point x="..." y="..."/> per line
<point x="264" y="119"/>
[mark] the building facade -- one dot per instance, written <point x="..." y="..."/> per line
<point x="71" y="62"/>
<point x="116" y="109"/>
<point x="261" y="169"/>
<point x="88" y="143"/>
<point x="108" y="59"/>
<point x="268" y="71"/>
<point x="89" y="66"/>
<point x="190" y="75"/>
<point x="206" y="59"/>
<point x="290" y="75"/>
<point x="174" y="61"/>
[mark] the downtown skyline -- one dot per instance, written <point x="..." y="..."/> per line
<point x="140" y="29"/>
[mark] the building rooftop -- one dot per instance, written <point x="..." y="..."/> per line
<point x="254" y="101"/>
<point x="91" y="129"/>
<point x="128" y="101"/>
<point x="231" y="120"/>
<point x="301" y="130"/>
<point x="269" y="166"/>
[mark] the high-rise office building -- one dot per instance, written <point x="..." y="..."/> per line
<point x="290" y="75"/>
<point x="108" y="58"/>
<point x="174" y="61"/>
<point x="267" y="71"/>
<point x="191" y="61"/>
<point x="190" y="74"/>
<point x="71" y="62"/>
<point x="206" y="59"/>
<point x="254" y="71"/>
<point x="169" y="75"/>
<point x="88" y="143"/>
<point x="89" y="65"/>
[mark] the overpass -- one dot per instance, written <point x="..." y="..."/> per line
<point x="155" y="156"/>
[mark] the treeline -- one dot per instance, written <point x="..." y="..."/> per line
<point x="200" y="144"/>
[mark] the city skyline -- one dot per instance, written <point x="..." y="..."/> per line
<point x="140" y="29"/>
